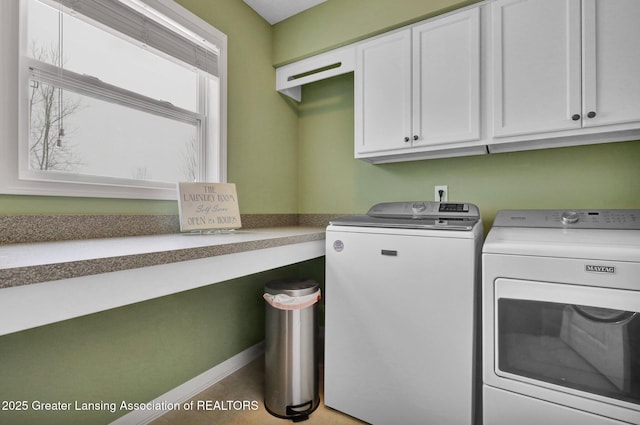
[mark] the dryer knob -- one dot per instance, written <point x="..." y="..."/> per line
<point x="569" y="217"/>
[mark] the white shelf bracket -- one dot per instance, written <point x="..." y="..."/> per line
<point x="290" y="78"/>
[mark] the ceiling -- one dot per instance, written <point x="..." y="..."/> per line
<point x="274" y="11"/>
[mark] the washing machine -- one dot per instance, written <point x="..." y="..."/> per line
<point x="561" y="318"/>
<point x="401" y="299"/>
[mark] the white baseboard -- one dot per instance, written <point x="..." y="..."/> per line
<point x="193" y="387"/>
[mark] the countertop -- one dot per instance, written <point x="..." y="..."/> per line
<point x="47" y="282"/>
<point x="29" y="263"/>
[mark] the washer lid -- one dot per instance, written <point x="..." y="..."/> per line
<point x="416" y="215"/>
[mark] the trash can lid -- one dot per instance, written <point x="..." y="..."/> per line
<point x="292" y="286"/>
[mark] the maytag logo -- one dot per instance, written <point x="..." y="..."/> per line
<point x="600" y="269"/>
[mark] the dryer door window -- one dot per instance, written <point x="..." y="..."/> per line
<point x="587" y="347"/>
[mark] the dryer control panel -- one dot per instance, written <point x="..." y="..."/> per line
<point x="570" y="219"/>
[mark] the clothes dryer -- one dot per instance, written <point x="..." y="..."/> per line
<point x="561" y="318"/>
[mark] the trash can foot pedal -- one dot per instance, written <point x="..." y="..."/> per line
<point x="302" y="414"/>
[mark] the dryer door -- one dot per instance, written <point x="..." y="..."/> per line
<point x="580" y="340"/>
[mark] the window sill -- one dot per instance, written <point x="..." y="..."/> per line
<point x="52" y="281"/>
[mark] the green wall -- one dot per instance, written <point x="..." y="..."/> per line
<point x="54" y="205"/>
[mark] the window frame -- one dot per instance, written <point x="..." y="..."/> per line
<point x="14" y="125"/>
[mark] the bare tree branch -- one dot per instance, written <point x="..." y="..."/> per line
<point x="47" y="112"/>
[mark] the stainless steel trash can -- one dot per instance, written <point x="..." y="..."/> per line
<point x="291" y="348"/>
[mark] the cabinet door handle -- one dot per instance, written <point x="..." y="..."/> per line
<point x="591" y="114"/>
<point x="406" y="139"/>
<point x="415" y="137"/>
<point x="575" y="117"/>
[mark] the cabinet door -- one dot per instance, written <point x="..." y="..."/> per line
<point x="536" y="66"/>
<point x="446" y="79"/>
<point x="611" y="62"/>
<point x="383" y="93"/>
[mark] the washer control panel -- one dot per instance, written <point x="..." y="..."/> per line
<point x="416" y="215"/>
<point x="423" y="209"/>
<point x="570" y="219"/>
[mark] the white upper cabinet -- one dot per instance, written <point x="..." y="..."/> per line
<point x="536" y="66"/>
<point x="383" y="93"/>
<point x="561" y="65"/>
<point x="417" y="90"/>
<point x="611" y="74"/>
<point x="446" y="80"/>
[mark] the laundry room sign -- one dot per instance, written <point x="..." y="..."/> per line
<point x="208" y="206"/>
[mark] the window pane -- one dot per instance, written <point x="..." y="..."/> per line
<point x="89" y="50"/>
<point x="106" y="139"/>
<point x="586" y="348"/>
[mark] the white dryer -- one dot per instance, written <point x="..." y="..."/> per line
<point x="401" y="296"/>
<point x="561" y="318"/>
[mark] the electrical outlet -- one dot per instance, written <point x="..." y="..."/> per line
<point x="445" y="193"/>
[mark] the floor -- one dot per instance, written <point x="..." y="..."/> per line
<point x="247" y="385"/>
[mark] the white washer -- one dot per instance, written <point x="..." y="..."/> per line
<point x="402" y="295"/>
<point x="561" y="321"/>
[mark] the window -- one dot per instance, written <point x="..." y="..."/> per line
<point x="115" y="98"/>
